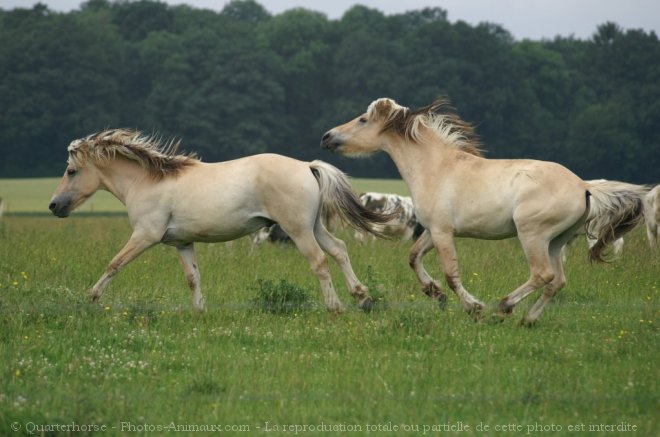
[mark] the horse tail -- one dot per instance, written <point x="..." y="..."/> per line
<point x="338" y="199"/>
<point x="616" y="208"/>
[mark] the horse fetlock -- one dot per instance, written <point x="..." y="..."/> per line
<point x="505" y="307"/>
<point x="336" y="308"/>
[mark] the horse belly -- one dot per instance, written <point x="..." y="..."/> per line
<point x="203" y="228"/>
<point x="488" y="230"/>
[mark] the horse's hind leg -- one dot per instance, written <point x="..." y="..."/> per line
<point x="541" y="271"/>
<point x="189" y="262"/>
<point x="431" y="288"/>
<point x="336" y="248"/>
<point x="311" y="250"/>
<point x="551" y="288"/>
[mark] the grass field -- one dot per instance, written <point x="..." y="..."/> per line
<point x="142" y="361"/>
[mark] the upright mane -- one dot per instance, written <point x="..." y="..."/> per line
<point x="437" y="116"/>
<point x="160" y="159"/>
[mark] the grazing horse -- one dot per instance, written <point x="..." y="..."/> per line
<point x="652" y="215"/>
<point x="459" y="193"/>
<point x="404" y="225"/>
<point x="178" y="200"/>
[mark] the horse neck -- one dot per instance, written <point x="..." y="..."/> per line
<point x="120" y="176"/>
<point x="417" y="162"/>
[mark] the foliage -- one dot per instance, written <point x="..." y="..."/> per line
<point x="280" y="298"/>
<point x="243" y="81"/>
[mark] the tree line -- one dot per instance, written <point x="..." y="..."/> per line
<point x="244" y="81"/>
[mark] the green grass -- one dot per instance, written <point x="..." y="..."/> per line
<point x="142" y="357"/>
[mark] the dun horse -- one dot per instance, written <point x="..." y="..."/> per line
<point x="178" y="200"/>
<point x="459" y="193"/>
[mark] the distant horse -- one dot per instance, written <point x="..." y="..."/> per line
<point x="273" y="233"/>
<point x="652" y="215"/>
<point x="178" y="200"/>
<point x="458" y="193"/>
<point x="404" y="225"/>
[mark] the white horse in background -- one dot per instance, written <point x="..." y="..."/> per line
<point x="178" y="200"/>
<point x="459" y="193"/>
<point x="404" y="224"/>
<point x="652" y="215"/>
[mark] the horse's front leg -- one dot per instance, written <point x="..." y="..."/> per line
<point x="189" y="262"/>
<point x="135" y="246"/>
<point x="430" y="287"/>
<point x="444" y="244"/>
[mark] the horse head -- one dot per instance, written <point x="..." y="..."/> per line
<point x="367" y="133"/>
<point x="81" y="179"/>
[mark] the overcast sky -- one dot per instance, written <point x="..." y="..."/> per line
<point x="534" y="19"/>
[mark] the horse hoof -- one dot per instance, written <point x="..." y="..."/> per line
<point x="476" y="312"/>
<point x="527" y="323"/>
<point x="442" y="301"/>
<point x="367" y="304"/>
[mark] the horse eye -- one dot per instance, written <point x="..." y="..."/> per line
<point x="362" y="120"/>
<point x="71" y="171"/>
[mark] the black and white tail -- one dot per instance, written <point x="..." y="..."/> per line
<point x="337" y="197"/>
<point x="616" y="208"/>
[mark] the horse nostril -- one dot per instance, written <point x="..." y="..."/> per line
<point x="52" y="206"/>
<point x="326" y="136"/>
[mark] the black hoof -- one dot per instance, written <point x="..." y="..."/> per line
<point x="367" y="304"/>
<point x="442" y="301"/>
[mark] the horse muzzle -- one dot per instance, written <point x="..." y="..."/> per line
<point x="61" y="207"/>
<point x="331" y="141"/>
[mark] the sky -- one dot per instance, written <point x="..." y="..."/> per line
<point x="533" y="19"/>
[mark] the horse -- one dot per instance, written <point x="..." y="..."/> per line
<point x="177" y="200"/>
<point x="404" y="226"/>
<point x="457" y="192"/>
<point x="652" y="215"/>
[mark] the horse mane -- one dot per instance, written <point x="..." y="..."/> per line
<point x="158" y="157"/>
<point x="438" y="116"/>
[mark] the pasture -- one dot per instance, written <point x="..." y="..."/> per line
<point x="143" y="361"/>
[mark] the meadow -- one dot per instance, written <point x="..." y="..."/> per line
<point x="141" y="360"/>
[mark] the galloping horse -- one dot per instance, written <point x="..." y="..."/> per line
<point x="459" y="193"/>
<point x="178" y="200"/>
